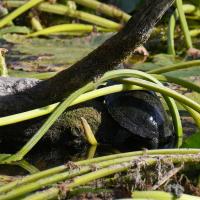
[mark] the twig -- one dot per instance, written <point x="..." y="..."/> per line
<point x="167" y="176"/>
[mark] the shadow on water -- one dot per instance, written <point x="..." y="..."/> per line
<point x="42" y="158"/>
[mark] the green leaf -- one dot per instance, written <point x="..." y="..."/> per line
<point x="192" y="141"/>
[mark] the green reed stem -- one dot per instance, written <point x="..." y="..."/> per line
<point x="60" y="9"/>
<point x="3" y="67"/>
<point x="36" y="25"/>
<point x="195" y="32"/>
<point x="184" y="65"/>
<point x="170" y="34"/>
<point x="6" y="20"/>
<point x="68" y="28"/>
<point x="64" y="10"/>
<point x="23" y="189"/>
<point x="105" y="9"/>
<point x="184" y="25"/>
<point x="184" y="83"/>
<point x="166" y="91"/>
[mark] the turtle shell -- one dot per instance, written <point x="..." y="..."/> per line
<point x="141" y="113"/>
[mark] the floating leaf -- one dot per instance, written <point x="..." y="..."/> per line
<point x="193" y="141"/>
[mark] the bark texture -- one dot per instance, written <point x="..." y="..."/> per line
<point x="34" y="94"/>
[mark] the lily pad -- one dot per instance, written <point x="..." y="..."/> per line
<point x="44" y="54"/>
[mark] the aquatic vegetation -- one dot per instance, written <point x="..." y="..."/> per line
<point x="162" y="77"/>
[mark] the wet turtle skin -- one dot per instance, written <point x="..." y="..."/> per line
<point x="143" y="122"/>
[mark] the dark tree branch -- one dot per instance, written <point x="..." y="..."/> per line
<point x="101" y="60"/>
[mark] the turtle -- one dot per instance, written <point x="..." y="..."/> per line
<point x="143" y="121"/>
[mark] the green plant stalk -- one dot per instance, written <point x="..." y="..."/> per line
<point x="68" y="28"/>
<point x="6" y="20"/>
<point x="59" y="169"/>
<point x="160" y="195"/>
<point x="3" y="68"/>
<point x="13" y="4"/>
<point x="186" y="84"/>
<point x="193" y="17"/>
<point x="195" y="32"/>
<point x="110" y="170"/>
<point x="166" y="91"/>
<point x="36" y="24"/>
<point x="184" y="65"/>
<point x="64" y="10"/>
<point x="183" y="21"/>
<point x="178" y="81"/>
<point x="170" y="34"/>
<point x="195" y="115"/>
<point x="27" y="166"/>
<point x="176" y="119"/>
<point x="189" y="8"/>
<point x="105" y="9"/>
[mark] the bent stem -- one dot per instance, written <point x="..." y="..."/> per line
<point x="170" y="68"/>
<point x="64" y="10"/>
<point x="67" y="28"/>
<point x="105" y="9"/>
<point x="184" y="25"/>
<point x="163" y="90"/>
<point x="170" y="34"/>
<point x="3" y="67"/>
